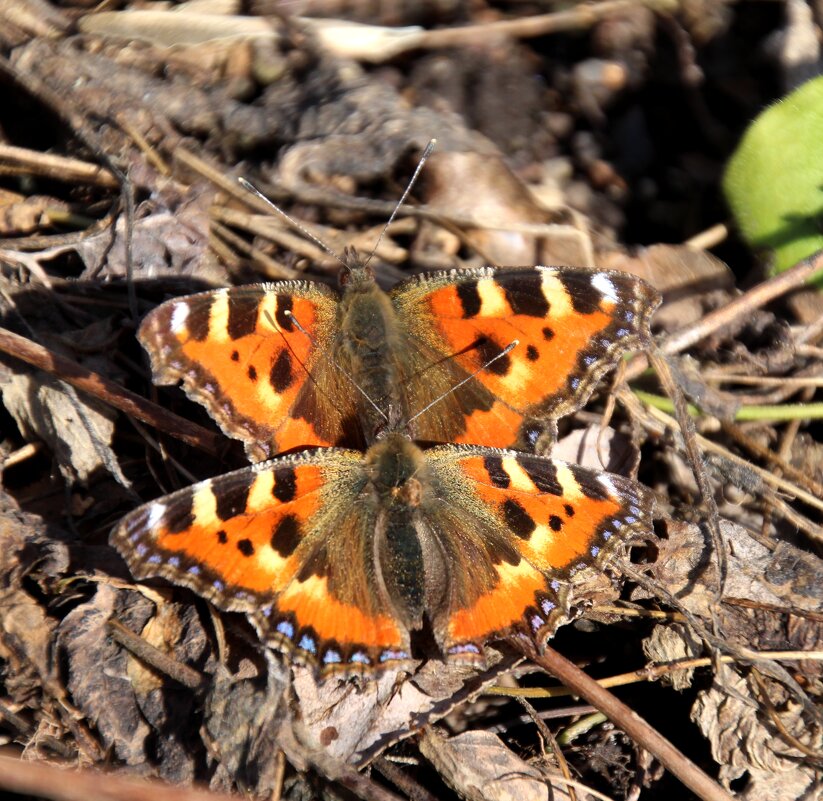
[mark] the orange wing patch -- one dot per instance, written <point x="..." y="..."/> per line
<point x="261" y="541"/>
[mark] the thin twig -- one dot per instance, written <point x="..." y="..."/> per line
<point x="107" y="391"/>
<point x="630" y="722"/>
<point x="58" y="168"/>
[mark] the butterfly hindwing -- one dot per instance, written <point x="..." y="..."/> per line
<point x="257" y="358"/>
<point x="570" y="326"/>
<point x="284" y="542"/>
<point x="519" y="528"/>
<point x="339" y="556"/>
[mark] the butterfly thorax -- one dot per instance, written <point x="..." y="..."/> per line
<point x="397" y="470"/>
<point x="370" y="336"/>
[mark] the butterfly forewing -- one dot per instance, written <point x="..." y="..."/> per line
<point x="257" y="358"/>
<point x="570" y="325"/>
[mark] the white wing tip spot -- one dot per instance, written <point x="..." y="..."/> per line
<point x="156" y="514"/>
<point x="603" y="284"/>
<point x="179" y="315"/>
<point x="607" y="483"/>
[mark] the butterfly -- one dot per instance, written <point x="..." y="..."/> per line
<point x="489" y="356"/>
<point x="349" y="560"/>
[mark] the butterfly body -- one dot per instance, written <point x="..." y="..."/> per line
<point x="339" y="557"/>
<point x="367" y="348"/>
<point x="297" y="364"/>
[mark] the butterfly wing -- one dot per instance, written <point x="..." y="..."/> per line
<point x="516" y="530"/>
<point x="571" y="326"/>
<point x="257" y="358"/>
<point x="286" y="542"/>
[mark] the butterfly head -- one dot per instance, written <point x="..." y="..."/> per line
<point x="355" y="271"/>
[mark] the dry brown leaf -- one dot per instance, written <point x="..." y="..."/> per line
<point x="688" y="279"/>
<point x="76" y="428"/>
<point x="668" y="644"/>
<point x="479" y="186"/>
<point x="98" y="676"/>
<point x="600" y="449"/>
<point x="481" y="768"/>
<point x="356" y="721"/>
<point x="20" y="216"/>
<point x="168" y="239"/>
<point x="743" y="741"/>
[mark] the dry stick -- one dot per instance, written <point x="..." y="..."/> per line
<point x="58" y="168"/>
<point x="58" y="104"/>
<point x="579" y="18"/>
<point x="772" y="669"/>
<point x="107" y="391"/>
<point x="779" y="462"/>
<point x="654" y="672"/>
<point x="160" y="661"/>
<point x="756" y="297"/>
<point x="659" y="421"/>
<point x="549" y="738"/>
<point x="60" y="784"/>
<point x="403" y="781"/>
<point x="689" y="433"/>
<point x="674" y="760"/>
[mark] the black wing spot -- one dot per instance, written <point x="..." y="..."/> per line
<point x="245" y="547"/>
<point x="525" y="295"/>
<point x="251" y="372"/>
<point x="286" y="536"/>
<point x="532" y="353"/>
<point x="222" y="537"/>
<point x="235" y="355"/>
<point x="242" y="316"/>
<point x="518" y="519"/>
<point x="542" y="474"/>
<point x="548" y="334"/>
<point x="197" y="323"/>
<point x="497" y="474"/>
<point x="285" y="484"/>
<point x="568" y="509"/>
<point x="469" y="297"/>
<point x="488" y="350"/>
<point x="588" y="484"/>
<point x="285" y="303"/>
<point x="585" y="298"/>
<point x="183" y="518"/>
<point x="281" y="376"/>
<point x="555" y="523"/>
<point x="231" y="503"/>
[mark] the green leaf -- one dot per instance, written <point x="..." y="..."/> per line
<point x="774" y="181"/>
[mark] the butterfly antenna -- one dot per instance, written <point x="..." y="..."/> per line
<point x="345" y="372"/>
<point x="510" y="347"/>
<point x="294" y="223"/>
<point x="426" y="153"/>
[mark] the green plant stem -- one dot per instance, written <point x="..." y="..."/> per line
<point x="779" y="413"/>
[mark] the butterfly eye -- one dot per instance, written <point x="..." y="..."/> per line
<point x="343" y="276"/>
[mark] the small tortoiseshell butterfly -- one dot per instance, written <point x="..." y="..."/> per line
<point x="296" y="364"/>
<point x="340" y="556"/>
